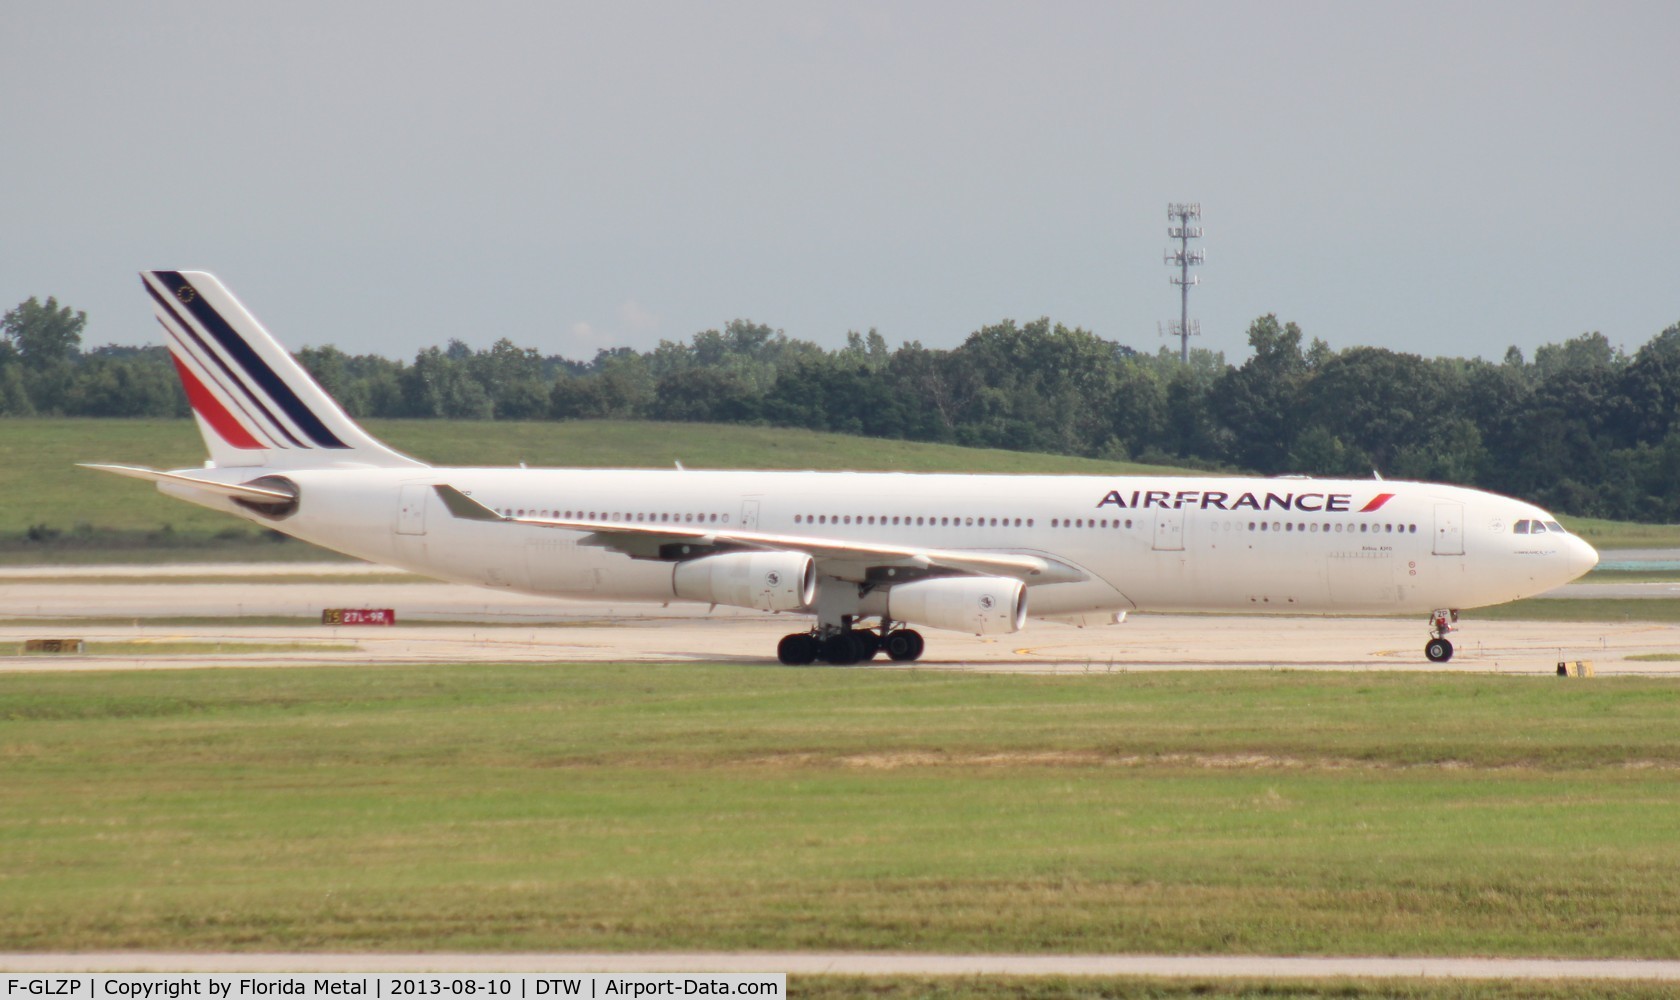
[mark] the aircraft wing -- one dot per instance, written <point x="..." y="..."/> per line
<point x="255" y="494"/>
<point x="835" y="557"/>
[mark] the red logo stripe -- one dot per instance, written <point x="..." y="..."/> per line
<point x="1378" y="501"/>
<point x="213" y="412"/>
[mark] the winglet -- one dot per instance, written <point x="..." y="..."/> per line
<point x="465" y="507"/>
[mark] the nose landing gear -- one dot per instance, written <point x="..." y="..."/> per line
<point x="1439" y="649"/>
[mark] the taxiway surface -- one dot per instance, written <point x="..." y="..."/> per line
<point x="447" y="623"/>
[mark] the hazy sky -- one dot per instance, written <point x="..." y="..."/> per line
<point x="1445" y="178"/>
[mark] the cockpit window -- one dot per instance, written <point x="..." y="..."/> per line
<point x="1536" y="528"/>
<point x="1554" y="526"/>
<point x="1520" y="528"/>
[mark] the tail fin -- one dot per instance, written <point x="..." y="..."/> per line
<point x="255" y="404"/>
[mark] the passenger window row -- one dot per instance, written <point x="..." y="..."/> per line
<point x="1520" y="527"/>
<point x="904" y="520"/>
<point x="1304" y="527"/>
<point x="1365" y="527"/>
<point x="628" y="518"/>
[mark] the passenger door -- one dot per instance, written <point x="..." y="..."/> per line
<point x="1449" y="529"/>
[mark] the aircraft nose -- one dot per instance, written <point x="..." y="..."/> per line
<point x="1580" y="556"/>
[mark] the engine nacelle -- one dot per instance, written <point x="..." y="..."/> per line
<point x="768" y="581"/>
<point x="984" y="605"/>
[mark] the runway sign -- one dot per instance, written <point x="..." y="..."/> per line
<point x="52" y="646"/>
<point x="358" y="616"/>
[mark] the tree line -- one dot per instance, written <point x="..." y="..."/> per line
<point x="1580" y="427"/>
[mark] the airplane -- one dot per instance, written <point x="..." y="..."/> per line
<point x="870" y="556"/>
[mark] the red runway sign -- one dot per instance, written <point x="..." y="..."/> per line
<point x="358" y="616"/>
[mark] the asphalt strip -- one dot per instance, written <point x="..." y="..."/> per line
<point x="860" y="964"/>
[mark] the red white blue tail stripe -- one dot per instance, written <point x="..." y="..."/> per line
<point x="255" y="404"/>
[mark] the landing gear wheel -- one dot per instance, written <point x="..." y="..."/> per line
<point x="904" y="645"/>
<point x="1441" y="621"/>
<point x="842" y="649"/>
<point x="797" y="649"/>
<point x="869" y="643"/>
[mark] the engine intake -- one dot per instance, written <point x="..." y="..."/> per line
<point x="984" y="605"/>
<point x="278" y="510"/>
<point x="768" y="581"/>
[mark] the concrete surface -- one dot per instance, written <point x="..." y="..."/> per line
<point x="488" y="626"/>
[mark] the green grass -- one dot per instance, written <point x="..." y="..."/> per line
<point x="147" y="647"/>
<point x="1632" y="576"/>
<point x="214" y="621"/>
<point x="144" y="548"/>
<point x="1583" y="609"/>
<point x="1607" y="535"/>
<point x="264" y="621"/>
<point x="614" y="443"/>
<point x="140" y="577"/>
<point x="722" y="807"/>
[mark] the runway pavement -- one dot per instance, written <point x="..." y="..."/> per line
<point x="474" y="624"/>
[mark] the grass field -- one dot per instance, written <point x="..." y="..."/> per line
<point x="149" y="647"/>
<point x="1583" y="609"/>
<point x="1632" y="576"/>
<point x="1610" y="535"/>
<point x="629" y="807"/>
<point x="139" y="576"/>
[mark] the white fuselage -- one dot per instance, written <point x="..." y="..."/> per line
<point x="1151" y="543"/>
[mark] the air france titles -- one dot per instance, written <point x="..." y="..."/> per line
<point x="1311" y="503"/>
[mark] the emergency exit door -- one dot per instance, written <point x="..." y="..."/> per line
<point x="1169" y="530"/>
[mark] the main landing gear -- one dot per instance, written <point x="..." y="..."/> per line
<point x="1439" y="649"/>
<point x="845" y="645"/>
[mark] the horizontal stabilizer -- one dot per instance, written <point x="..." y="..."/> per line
<point x="465" y="507"/>
<point x="255" y="494"/>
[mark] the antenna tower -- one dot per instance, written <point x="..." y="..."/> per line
<point x="1184" y="258"/>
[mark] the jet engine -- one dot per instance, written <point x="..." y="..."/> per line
<point x="983" y="605"/>
<point x="768" y="581"/>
